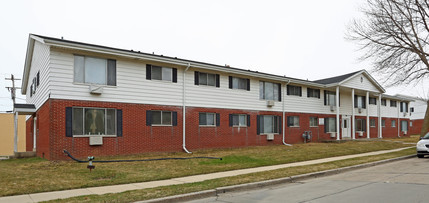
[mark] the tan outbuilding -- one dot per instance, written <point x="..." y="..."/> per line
<point x="7" y="134"/>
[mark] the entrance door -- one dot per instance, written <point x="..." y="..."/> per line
<point x="345" y="127"/>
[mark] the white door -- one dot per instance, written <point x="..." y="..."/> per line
<point x="345" y="127"/>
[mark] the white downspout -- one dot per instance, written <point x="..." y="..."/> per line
<point x="283" y="109"/>
<point x="184" y="109"/>
<point x="398" y="107"/>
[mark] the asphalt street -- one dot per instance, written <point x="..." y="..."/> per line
<point x="400" y="181"/>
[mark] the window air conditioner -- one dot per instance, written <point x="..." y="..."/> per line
<point x="405" y="114"/>
<point x="95" y="89"/>
<point x="96" y="140"/>
<point x="332" y="108"/>
<point x="333" y="134"/>
<point x="270" y="136"/>
<point x="360" y="110"/>
<point x="360" y="134"/>
<point x="270" y="103"/>
<point x="405" y="132"/>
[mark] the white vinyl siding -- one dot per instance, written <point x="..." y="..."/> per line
<point x="39" y="64"/>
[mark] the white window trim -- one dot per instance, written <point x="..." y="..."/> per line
<point x="162" y="67"/>
<point x="240" y="126"/>
<point x="162" y="125"/>
<point x="214" y="119"/>
<point x="317" y="122"/>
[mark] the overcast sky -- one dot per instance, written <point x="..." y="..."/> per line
<point x="301" y="39"/>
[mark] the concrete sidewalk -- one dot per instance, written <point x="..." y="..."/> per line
<point x="45" y="196"/>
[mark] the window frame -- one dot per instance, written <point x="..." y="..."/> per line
<point x="362" y="125"/>
<point x="199" y="75"/>
<point x="106" y="68"/>
<point x="263" y="91"/>
<point x="393" y="123"/>
<point x="239" y="123"/>
<point x="294" y="90"/>
<point x="383" y="102"/>
<point x="327" y="98"/>
<point x="371" y="122"/>
<point x="393" y="103"/>
<point x="207" y="114"/>
<point x="311" y="93"/>
<point x="275" y="127"/>
<point x="162" y="73"/>
<point x="315" y="119"/>
<point x="246" y="87"/>
<point x="372" y="101"/>
<point x="292" y="123"/>
<point x="161" y="113"/>
<point x="329" y="120"/>
<point x="383" y="123"/>
<point x="115" y="117"/>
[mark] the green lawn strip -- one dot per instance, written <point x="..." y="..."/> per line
<point x="33" y="175"/>
<point x="164" y="191"/>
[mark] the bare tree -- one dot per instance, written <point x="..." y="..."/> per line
<point x="394" y="34"/>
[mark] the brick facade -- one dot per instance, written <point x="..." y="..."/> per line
<point x="138" y="137"/>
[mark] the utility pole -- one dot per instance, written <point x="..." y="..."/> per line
<point x="12" y="91"/>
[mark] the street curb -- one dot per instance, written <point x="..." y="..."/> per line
<point x="266" y="183"/>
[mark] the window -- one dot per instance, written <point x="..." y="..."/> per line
<point x="393" y="124"/>
<point x="372" y="100"/>
<point x="161" y="118"/>
<point x="411" y="124"/>
<point x="404" y="126"/>
<point x="209" y="119"/>
<point x="207" y="79"/>
<point x="270" y="91"/>
<point x="313" y="122"/>
<point x="94" y="70"/>
<point x="383" y="123"/>
<point x="293" y="121"/>
<point x="383" y="102"/>
<point x="294" y="90"/>
<point x="239" y="83"/>
<point x="330" y="125"/>
<point x="360" y="125"/>
<point x="330" y="98"/>
<point x="313" y="93"/>
<point x="392" y="103"/>
<point x="93" y="121"/>
<point x="268" y="124"/>
<point x="161" y="73"/>
<point x="360" y="102"/>
<point x="404" y="107"/>
<point x="372" y="122"/>
<point x="239" y="120"/>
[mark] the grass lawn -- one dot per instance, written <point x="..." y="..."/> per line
<point x="21" y="176"/>
<point x="409" y="139"/>
<point x="153" y="193"/>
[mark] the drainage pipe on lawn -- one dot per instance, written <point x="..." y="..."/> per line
<point x="136" y="160"/>
<point x="283" y="110"/>
<point x="184" y="109"/>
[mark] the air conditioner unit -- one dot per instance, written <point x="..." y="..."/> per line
<point x="333" y="134"/>
<point x="270" y="136"/>
<point x="405" y="114"/>
<point x="360" y="134"/>
<point x="270" y="103"/>
<point x="405" y="132"/>
<point x="332" y="108"/>
<point x="95" y="89"/>
<point x="96" y="140"/>
<point x="360" y="110"/>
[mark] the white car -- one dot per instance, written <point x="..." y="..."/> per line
<point x="423" y="146"/>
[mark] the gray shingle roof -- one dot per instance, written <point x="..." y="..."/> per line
<point x="335" y="79"/>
